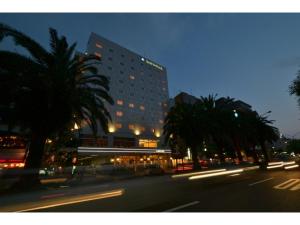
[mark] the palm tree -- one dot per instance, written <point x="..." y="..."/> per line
<point x="265" y="133"/>
<point x="182" y="124"/>
<point x="46" y="91"/>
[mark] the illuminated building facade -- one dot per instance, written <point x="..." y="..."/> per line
<point x="139" y="88"/>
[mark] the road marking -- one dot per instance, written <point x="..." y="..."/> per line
<point x="85" y="198"/>
<point x="52" y="196"/>
<point x="261" y="181"/>
<point x="287" y="184"/>
<point x="182" y="206"/>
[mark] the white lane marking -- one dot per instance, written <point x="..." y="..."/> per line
<point x="182" y="206"/>
<point x="89" y="197"/>
<point x="261" y="181"/>
<point x="287" y="184"/>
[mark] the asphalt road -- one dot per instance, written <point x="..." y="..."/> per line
<point x="251" y="191"/>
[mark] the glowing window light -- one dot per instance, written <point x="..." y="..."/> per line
<point x="119" y="113"/>
<point x="98" y="45"/>
<point x="98" y="54"/>
<point x="118" y="125"/>
<point x="120" y="102"/>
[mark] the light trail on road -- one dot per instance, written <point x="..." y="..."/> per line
<point x="198" y="173"/>
<point x="75" y="199"/>
<point x="215" y="174"/>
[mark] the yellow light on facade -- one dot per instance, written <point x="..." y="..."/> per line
<point x="76" y="127"/>
<point x="141" y="159"/>
<point x="112" y="160"/>
<point x="137" y="132"/>
<point x="111" y="128"/>
<point x="48" y="141"/>
<point x="157" y="134"/>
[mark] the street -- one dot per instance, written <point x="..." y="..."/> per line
<point x="251" y="191"/>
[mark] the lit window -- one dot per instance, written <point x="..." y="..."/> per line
<point x="131" y="77"/>
<point x="142" y="107"/>
<point x="98" y="45"/>
<point x="164" y="89"/>
<point x="161" y="122"/>
<point x="118" y="125"/>
<point x="131" y="126"/>
<point x="119" y="102"/>
<point x="147" y="143"/>
<point x="98" y="54"/>
<point x="165" y="104"/>
<point x="131" y="105"/>
<point x="119" y="113"/>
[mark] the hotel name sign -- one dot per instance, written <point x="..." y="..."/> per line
<point x="152" y="64"/>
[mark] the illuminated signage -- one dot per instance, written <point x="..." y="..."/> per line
<point x="152" y="64"/>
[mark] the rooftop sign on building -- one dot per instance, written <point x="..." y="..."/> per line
<point x="152" y="64"/>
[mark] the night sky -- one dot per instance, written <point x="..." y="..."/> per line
<point x="251" y="57"/>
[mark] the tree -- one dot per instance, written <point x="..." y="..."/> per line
<point x="182" y="125"/>
<point x="293" y="146"/>
<point x="46" y="91"/>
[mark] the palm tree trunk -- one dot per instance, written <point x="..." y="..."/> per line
<point x="255" y="156"/>
<point x="33" y="161"/>
<point x="196" y="164"/>
<point x="264" y="151"/>
<point x="238" y="150"/>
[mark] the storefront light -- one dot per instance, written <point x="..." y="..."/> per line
<point x="111" y="128"/>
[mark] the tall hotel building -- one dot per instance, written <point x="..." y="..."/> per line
<point x="139" y="87"/>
